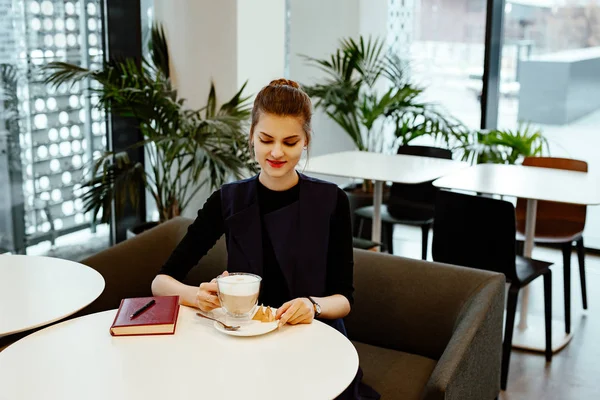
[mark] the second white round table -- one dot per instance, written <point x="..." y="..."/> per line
<point x="35" y="291"/>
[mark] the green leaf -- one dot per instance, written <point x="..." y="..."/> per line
<point x="159" y="50"/>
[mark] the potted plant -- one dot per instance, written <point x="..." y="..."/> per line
<point x="504" y="146"/>
<point x="366" y="91"/>
<point x="186" y="149"/>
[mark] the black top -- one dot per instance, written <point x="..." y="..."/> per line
<point x="209" y="227"/>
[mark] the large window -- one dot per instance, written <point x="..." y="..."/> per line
<point x="58" y="131"/>
<point x="554" y="70"/>
<point x="549" y="69"/>
<point x="447" y="54"/>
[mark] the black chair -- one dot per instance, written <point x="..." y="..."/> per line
<point x="408" y="204"/>
<point x="479" y="232"/>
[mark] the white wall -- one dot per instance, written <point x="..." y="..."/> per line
<point x="316" y="29"/>
<point x="374" y="18"/>
<point x="260" y="42"/>
<point x="202" y="37"/>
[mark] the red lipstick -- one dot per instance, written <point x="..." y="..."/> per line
<point x="276" y="164"/>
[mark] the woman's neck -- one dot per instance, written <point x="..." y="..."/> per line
<point x="279" y="184"/>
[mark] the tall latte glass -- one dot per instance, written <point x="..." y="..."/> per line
<point x="238" y="293"/>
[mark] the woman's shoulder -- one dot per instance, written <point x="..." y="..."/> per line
<point x="241" y="182"/>
<point x="319" y="183"/>
<point x="238" y="195"/>
<point x="324" y="185"/>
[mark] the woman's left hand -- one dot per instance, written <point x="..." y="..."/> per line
<point x="297" y="311"/>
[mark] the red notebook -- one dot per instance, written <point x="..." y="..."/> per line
<point x="160" y="318"/>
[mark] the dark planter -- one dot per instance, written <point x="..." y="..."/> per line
<point x="136" y="230"/>
<point x="357" y="199"/>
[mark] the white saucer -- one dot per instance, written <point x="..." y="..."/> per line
<point x="247" y="328"/>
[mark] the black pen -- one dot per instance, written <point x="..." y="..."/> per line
<point x="141" y="310"/>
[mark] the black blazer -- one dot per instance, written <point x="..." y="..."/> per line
<point x="299" y="234"/>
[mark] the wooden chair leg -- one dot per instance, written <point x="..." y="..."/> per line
<point x="511" y="311"/>
<point x="581" y="257"/>
<point x="424" y="240"/>
<point x="548" y="313"/>
<point x="566" y="251"/>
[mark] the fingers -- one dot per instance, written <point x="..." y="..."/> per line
<point x="206" y="297"/>
<point x="295" y="315"/>
<point x="300" y="316"/>
<point x="288" y="314"/>
<point x="207" y="302"/>
<point x="298" y="311"/>
<point x="305" y="313"/>
<point x="212" y="299"/>
<point x="209" y="287"/>
<point x="283" y="309"/>
<point x="295" y="312"/>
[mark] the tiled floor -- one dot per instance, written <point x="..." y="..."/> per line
<point x="574" y="373"/>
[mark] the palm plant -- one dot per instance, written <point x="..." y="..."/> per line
<point x="504" y="146"/>
<point x="351" y="94"/>
<point x="186" y="149"/>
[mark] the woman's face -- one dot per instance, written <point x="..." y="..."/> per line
<point x="278" y="143"/>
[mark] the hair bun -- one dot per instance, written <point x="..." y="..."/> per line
<point x="284" y="82"/>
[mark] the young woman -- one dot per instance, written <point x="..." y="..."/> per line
<point x="292" y="230"/>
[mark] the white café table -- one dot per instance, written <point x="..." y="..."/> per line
<point x="382" y="168"/>
<point x="533" y="184"/>
<point x="79" y="359"/>
<point x="35" y="291"/>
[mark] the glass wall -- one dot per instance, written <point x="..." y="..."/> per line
<point x="57" y="132"/>
<point x="549" y="74"/>
<point x="447" y="53"/>
<point x="554" y="72"/>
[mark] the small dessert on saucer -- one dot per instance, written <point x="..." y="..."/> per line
<point x="264" y="314"/>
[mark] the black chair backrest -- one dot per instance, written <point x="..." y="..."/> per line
<point x="404" y="197"/>
<point x="425" y="151"/>
<point x="476" y="232"/>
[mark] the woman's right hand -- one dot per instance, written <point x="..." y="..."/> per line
<point x="206" y="297"/>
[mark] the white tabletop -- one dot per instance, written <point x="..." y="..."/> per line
<point x="79" y="359"/>
<point x="35" y="291"/>
<point x="526" y="182"/>
<point x="382" y="167"/>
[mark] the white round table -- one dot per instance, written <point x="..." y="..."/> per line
<point x="35" y="291"/>
<point x="79" y="359"/>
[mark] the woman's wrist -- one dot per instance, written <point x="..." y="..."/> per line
<point x="314" y="305"/>
<point x="188" y="297"/>
<point x="333" y="307"/>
